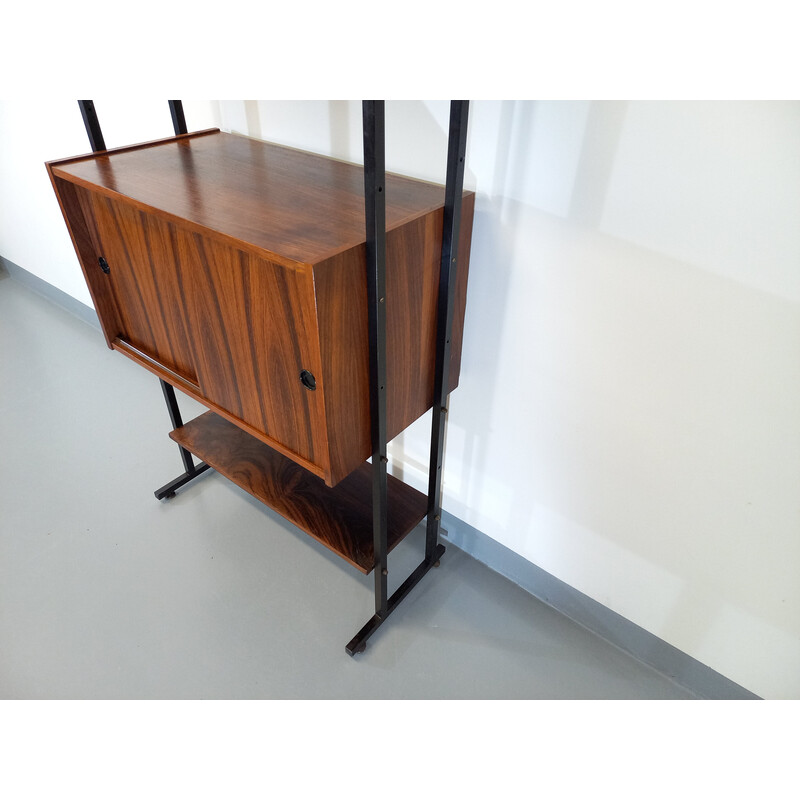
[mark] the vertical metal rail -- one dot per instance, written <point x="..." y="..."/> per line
<point x="374" y="177"/>
<point x="92" y="125"/>
<point x="178" y="119"/>
<point x="456" y="155"/>
<point x="179" y="125"/>
<point x="191" y="470"/>
<point x="177" y="422"/>
<point x="375" y="212"/>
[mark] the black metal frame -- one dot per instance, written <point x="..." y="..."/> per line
<point x="92" y="125"/>
<point x="178" y="119"/>
<point x="375" y="213"/>
<point x="456" y="156"/>
<point x="192" y="470"/>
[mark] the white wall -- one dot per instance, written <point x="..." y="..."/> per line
<point x="629" y="410"/>
<point x="32" y="230"/>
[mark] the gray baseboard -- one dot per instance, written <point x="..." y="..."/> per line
<point x="49" y="292"/>
<point x="595" y="617"/>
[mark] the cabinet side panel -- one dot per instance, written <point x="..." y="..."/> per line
<point x="255" y="335"/>
<point x="413" y="266"/>
<point x="141" y="258"/>
<point x="413" y="253"/>
<point x="82" y="231"/>
<point x="341" y="291"/>
<point x="460" y="301"/>
<point x="413" y="260"/>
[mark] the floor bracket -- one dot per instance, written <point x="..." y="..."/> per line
<point x="168" y="489"/>
<point x="359" y="642"/>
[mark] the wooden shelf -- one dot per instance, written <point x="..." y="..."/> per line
<point x="338" y="517"/>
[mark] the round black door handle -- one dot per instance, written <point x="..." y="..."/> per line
<point x="308" y="380"/>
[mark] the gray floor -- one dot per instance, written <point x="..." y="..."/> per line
<point x="107" y="593"/>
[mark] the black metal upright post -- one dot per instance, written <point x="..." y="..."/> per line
<point x="375" y="212"/>
<point x="177" y="422"/>
<point x="98" y="143"/>
<point x="374" y="182"/>
<point x="456" y="155"/>
<point x="179" y="125"/>
<point x="92" y="125"/>
<point x="191" y="470"/>
<point x="178" y="119"/>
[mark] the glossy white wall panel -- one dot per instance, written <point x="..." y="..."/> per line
<point x="713" y="184"/>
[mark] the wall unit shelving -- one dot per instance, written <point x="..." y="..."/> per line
<point x="315" y="307"/>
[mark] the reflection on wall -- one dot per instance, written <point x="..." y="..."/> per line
<point x="628" y="416"/>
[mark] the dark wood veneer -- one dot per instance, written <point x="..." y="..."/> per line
<point x="235" y="265"/>
<point x="296" y="207"/>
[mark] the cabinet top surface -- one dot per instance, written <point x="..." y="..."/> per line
<point x="294" y="205"/>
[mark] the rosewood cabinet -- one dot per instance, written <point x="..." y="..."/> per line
<point x="235" y="270"/>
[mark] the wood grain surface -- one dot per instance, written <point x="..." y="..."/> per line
<point x="87" y="248"/>
<point x="150" y="302"/>
<point x="235" y="266"/>
<point x="339" y="517"/>
<point x="297" y="207"/>
<point x="255" y="331"/>
<point x="413" y="254"/>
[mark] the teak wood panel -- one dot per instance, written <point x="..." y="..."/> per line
<point x="338" y="517"/>
<point x="413" y="255"/>
<point x="238" y="327"/>
<point x="292" y="205"/>
<point x="86" y="247"/>
<point x="234" y="329"/>
<point x="255" y="331"/>
<point x="140" y="251"/>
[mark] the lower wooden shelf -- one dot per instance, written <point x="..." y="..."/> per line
<point x="338" y="517"/>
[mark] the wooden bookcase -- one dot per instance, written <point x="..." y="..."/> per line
<point x="237" y="272"/>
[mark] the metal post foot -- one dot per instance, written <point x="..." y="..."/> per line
<point x="169" y="489"/>
<point x="359" y="642"/>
